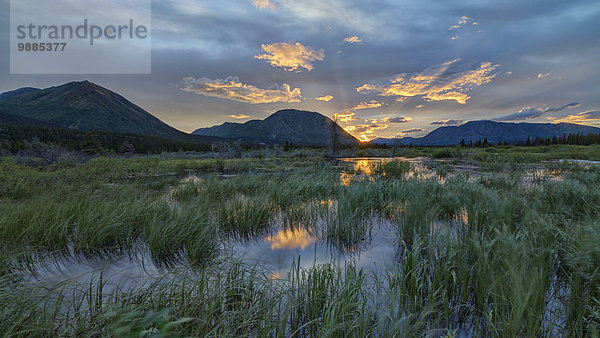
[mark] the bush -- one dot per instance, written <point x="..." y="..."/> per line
<point x="446" y="153"/>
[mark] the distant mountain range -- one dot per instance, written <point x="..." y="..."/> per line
<point x="494" y="131"/>
<point x="87" y="106"/>
<point x="298" y="127"/>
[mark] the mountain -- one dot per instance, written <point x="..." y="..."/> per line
<point x="22" y="121"/>
<point x="494" y="131"/>
<point x="17" y="92"/>
<point x="85" y="106"/>
<point x="296" y="126"/>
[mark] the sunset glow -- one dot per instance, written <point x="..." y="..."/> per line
<point x="291" y="239"/>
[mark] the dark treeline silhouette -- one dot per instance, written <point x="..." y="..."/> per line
<point x="566" y="139"/>
<point x="14" y="138"/>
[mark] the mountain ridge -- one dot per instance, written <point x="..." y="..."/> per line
<point x="299" y="127"/>
<point x="495" y="132"/>
<point x="86" y="106"/>
<point x="17" y="92"/>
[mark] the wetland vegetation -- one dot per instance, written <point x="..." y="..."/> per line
<point x="501" y="241"/>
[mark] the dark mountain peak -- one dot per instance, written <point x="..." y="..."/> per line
<point x="296" y="115"/>
<point x="294" y="112"/>
<point x="85" y="88"/>
<point x="299" y="127"/>
<point x="87" y="106"/>
<point x="80" y="83"/>
<point x="287" y="112"/>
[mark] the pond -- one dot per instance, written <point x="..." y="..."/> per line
<point x="284" y="248"/>
<point x="277" y="251"/>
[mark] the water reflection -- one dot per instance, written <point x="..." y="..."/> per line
<point x="121" y="272"/>
<point x="285" y="247"/>
<point x="361" y="168"/>
<point x="291" y="239"/>
<point x="365" y="165"/>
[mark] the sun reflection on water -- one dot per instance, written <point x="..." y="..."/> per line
<point x="365" y="166"/>
<point x="291" y="239"/>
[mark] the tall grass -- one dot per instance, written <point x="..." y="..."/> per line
<point x="491" y="255"/>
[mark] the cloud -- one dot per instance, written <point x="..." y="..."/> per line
<point x="325" y="98"/>
<point x="365" y="132"/>
<point x="353" y="39"/>
<point x="232" y="89"/>
<point x="463" y="21"/>
<point x="446" y="122"/>
<point x="398" y="119"/>
<point x="543" y="75"/>
<point x="534" y="112"/>
<point x="291" y="57"/>
<point x="368" y="105"/>
<point x="264" y="4"/>
<point x="345" y="116"/>
<point x="411" y="131"/>
<point x="239" y="116"/>
<point x="580" y="118"/>
<point x="448" y="81"/>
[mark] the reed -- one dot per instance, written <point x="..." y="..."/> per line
<point x="492" y="253"/>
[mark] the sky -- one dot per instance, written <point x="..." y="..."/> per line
<point x="380" y="68"/>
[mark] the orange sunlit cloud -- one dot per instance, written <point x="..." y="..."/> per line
<point x="365" y="132"/>
<point x="449" y="81"/>
<point x="291" y="239"/>
<point x="590" y="116"/>
<point x="325" y="98"/>
<point x="264" y="4"/>
<point x="232" y="89"/>
<point x="239" y="116"/>
<point x="291" y="57"/>
<point x="353" y="39"/>
<point x="345" y="116"/>
<point x="367" y="105"/>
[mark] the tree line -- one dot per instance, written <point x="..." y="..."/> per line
<point x="15" y="138"/>
<point x="566" y="139"/>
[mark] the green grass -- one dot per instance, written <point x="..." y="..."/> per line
<point x="496" y="254"/>
<point x="391" y="169"/>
